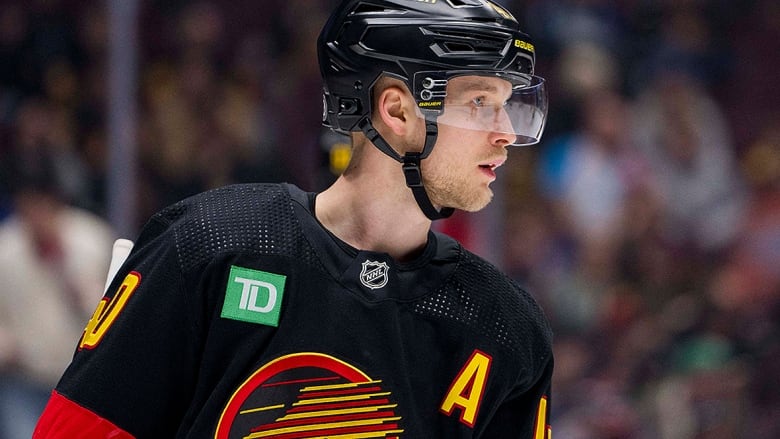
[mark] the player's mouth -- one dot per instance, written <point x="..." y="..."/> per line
<point x="489" y="167"/>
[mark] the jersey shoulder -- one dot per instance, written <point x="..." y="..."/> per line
<point x="488" y="302"/>
<point x="252" y="218"/>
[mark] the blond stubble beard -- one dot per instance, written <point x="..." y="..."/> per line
<point x="448" y="188"/>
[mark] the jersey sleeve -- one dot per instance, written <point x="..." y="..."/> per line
<point x="525" y="415"/>
<point x="128" y="373"/>
<point x="63" y="419"/>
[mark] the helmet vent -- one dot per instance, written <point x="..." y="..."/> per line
<point x="464" y="3"/>
<point x="458" y="47"/>
<point x="337" y="63"/>
<point x="462" y="41"/>
<point x="368" y="8"/>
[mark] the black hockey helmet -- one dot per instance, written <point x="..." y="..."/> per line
<point x="424" y="43"/>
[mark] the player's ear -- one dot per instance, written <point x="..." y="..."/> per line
<point x="395" y="107"/>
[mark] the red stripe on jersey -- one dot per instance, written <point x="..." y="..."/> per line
<point x="64" y="419"/>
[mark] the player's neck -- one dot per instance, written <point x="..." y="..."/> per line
<point x="375" y="211"/>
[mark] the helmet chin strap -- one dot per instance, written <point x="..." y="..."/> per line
<point x="411" y="166"/>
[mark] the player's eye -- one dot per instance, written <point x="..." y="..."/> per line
<point x="479" y="101"/>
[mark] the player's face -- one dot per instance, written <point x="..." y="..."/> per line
<point x="471" y="144"/>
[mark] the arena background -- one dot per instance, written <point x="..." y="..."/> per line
<point x="647" y="221"/>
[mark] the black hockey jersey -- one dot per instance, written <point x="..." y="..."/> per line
<point x="237" y="315"/>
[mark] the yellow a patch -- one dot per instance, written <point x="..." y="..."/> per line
<point x="468" y="388"/>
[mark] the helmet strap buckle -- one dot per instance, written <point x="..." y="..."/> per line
<point x="410" y="164"/>
<point x="411" y="168"/>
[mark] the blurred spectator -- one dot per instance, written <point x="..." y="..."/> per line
<point x="558" y="23"/>
<point x="682" y="131"/>
<point x="588" y="176"/>
<point x="749" y="94"/>
<point x="52" y="271"/>
<point x="204" y="112"/>
<point x="40" y="128"/>
<point x="299" y="82"/>
<point x="746" y="288"/>
<point x="751" y="276"/>
<point x="584" y="44"/>
<point x="690" y="36"/>
<point x="673" y="325"/>
<point x="589" y="172"/>
<point x="705" y="396"/>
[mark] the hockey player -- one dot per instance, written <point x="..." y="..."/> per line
<point x="258" y="310"/>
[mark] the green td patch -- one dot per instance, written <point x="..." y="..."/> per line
<point x="253" y="296"/>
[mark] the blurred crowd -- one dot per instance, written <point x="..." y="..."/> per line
<point x="647" y="222"/>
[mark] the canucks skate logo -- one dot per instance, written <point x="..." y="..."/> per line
<point x="310" y="395"/>
<point x="374" y="274"/>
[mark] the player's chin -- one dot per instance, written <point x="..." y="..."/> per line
<point x="476" y="201"/>
<point x="478" y="206"/>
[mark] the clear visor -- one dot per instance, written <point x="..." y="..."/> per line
<point x="510" y="104"/>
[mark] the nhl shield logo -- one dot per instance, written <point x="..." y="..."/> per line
<point x="374" y="274"/>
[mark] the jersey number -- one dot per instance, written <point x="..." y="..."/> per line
<point x="542" y="430"/>
<point x="107" y="311"/>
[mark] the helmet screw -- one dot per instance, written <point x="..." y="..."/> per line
<point x="358" y="85"/>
